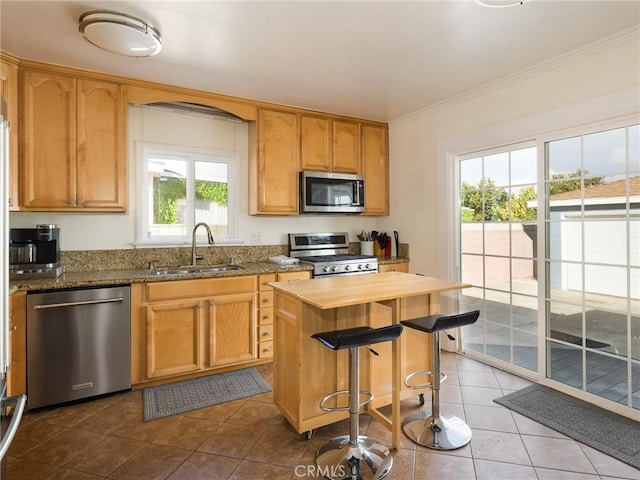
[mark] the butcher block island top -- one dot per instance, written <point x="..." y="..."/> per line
<point x="305" y="371"/>
<point x="343" y="291"/>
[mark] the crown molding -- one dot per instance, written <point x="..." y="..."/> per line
<point x="621" y="38"/>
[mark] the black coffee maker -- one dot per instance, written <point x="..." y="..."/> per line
<point x="35" y="251"/>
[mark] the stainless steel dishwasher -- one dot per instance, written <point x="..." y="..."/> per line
<point x="78" y="344"/>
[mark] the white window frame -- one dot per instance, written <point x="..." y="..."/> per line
<point x="144" y="150"/>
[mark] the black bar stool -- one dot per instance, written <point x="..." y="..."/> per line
<point x="434" y="431"/>
<point x="353" y="456"/>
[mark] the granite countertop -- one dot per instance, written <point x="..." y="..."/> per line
<point x="91" y="278"/>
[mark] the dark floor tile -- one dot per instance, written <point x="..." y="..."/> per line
<point x="187" y="433"/>
<point x="232" y="440"/>
<point x="25" y="469"/>
<point x="260" y="471"/>
<point x="63" y="447"/>
<point x="205" y="466"/>
<point x="109" y="419"/>
<point x="105" y="456"/>
<point x="256" y="414"/>
<point x="278" y="446"/>
<point x="154" y="462"/>
<point x="33" y="434"/>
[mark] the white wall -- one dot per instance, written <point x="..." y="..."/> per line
<point x="598" y="83"/>
<point x="90" y="231"/>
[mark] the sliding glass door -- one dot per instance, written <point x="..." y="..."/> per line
<point x="592" y="264"/>
<point x="498" y="242"/>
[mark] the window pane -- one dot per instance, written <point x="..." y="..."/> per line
<point x="607" y="377"/>
<point x="634" y="150"/>
<point x="168" y="197"/>
<point x="496" y="168"/>
<point x="472" y="269"/>
<point x="565" y="364"/>
<point x="524" y="166"/>
<point x="605" y="154"/>
<point x="471" y="238"/>
<point x="212" y="196"/>
<point x="471" y="171"/>
<point x="564" y="158"/>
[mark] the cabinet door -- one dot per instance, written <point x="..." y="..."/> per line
<point x="316" y="144"/>
<point x="232" y="328"/>
<point x="48" y="173"/>
<point x="17" y="374"/>
<point x="394" y="267"/>
<point x="9" y="92"/>
<point x="278" y="163"/>
<point x="101" y="154"/>
<point x="375" y="168"/>
<point x="346" y="147"/>
<point x="174" y="338"/>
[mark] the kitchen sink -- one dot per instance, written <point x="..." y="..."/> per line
<point x="215" y="268"/>
<point x="195" y="269"/>
<point x="161" y="273"/>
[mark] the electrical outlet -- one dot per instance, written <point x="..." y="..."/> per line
<point x="256" y="238"/>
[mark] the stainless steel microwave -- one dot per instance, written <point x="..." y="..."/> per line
<point x="322" y="192"/>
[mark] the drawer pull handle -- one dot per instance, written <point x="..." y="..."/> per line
<point x="73" y="304"/>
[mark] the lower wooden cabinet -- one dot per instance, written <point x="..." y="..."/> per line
<point x="186" y="327"/>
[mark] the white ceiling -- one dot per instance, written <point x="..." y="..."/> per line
<point x="377" y="60"/>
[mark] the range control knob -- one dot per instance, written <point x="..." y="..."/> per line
<point x="347" y="267"/>
<point x="327" y="269"/>
<point x="335" y="269"/>
<point x="360" y="266"/>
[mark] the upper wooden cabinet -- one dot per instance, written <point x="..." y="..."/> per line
<point x="9" y="93"/>
<point x="329" y="146"/>
<point x="346" y="147"/>
<point x="73" y="144"/>
<point x="274" y="171"/>
<point x="375" y="168"/>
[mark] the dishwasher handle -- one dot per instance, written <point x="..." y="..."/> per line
<point x="74" y="304"/>
<point x="16" y="416"/>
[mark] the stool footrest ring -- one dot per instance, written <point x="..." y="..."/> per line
<point x="443" y="377"/>
<point x="344" y="392"/>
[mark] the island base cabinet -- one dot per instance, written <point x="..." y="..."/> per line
<point x="305" y="371"/>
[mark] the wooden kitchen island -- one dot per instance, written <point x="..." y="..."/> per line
<point x="305" y="371"/>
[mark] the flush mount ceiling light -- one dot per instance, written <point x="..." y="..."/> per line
<point x="120" y="33"/>
<point x="500" y="3"/>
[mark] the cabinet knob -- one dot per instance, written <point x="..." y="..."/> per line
<point x="80" y="202"/>
<point x="267" y="317"/>
<point x="72" y="202"/>
<point x="266" y="300"/>
<point x="266" y="334"/>
<point x="10" y="202"/>
<point x="267" y="350"/>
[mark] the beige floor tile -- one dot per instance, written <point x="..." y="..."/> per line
<point x="490" y="418"/>
<point x="557" y="453"/>
<point x="480" y="396"/>
<point x="526" y="426"/>
<point x="609" y="466"/>
<point x="499" y="447"/>
<point x="550" y="474"/>
<point x="478" y="379"/>
<point x="488" y="470"/>
<point x="435" y="466"/>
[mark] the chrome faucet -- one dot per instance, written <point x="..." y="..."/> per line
<point x="194" y="258"/>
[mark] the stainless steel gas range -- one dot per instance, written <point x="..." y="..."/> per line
<point x="329" y="254"/>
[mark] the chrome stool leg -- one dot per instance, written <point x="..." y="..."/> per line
<point x="435" y="431"/>
<point x="353" y="456"/>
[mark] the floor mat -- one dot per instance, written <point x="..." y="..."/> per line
<point x="605" y="431"/>
<point x="181" y="397"/>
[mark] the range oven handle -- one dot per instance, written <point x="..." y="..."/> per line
<point x="74" y="304"/>
<point x="7" y="438"/>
